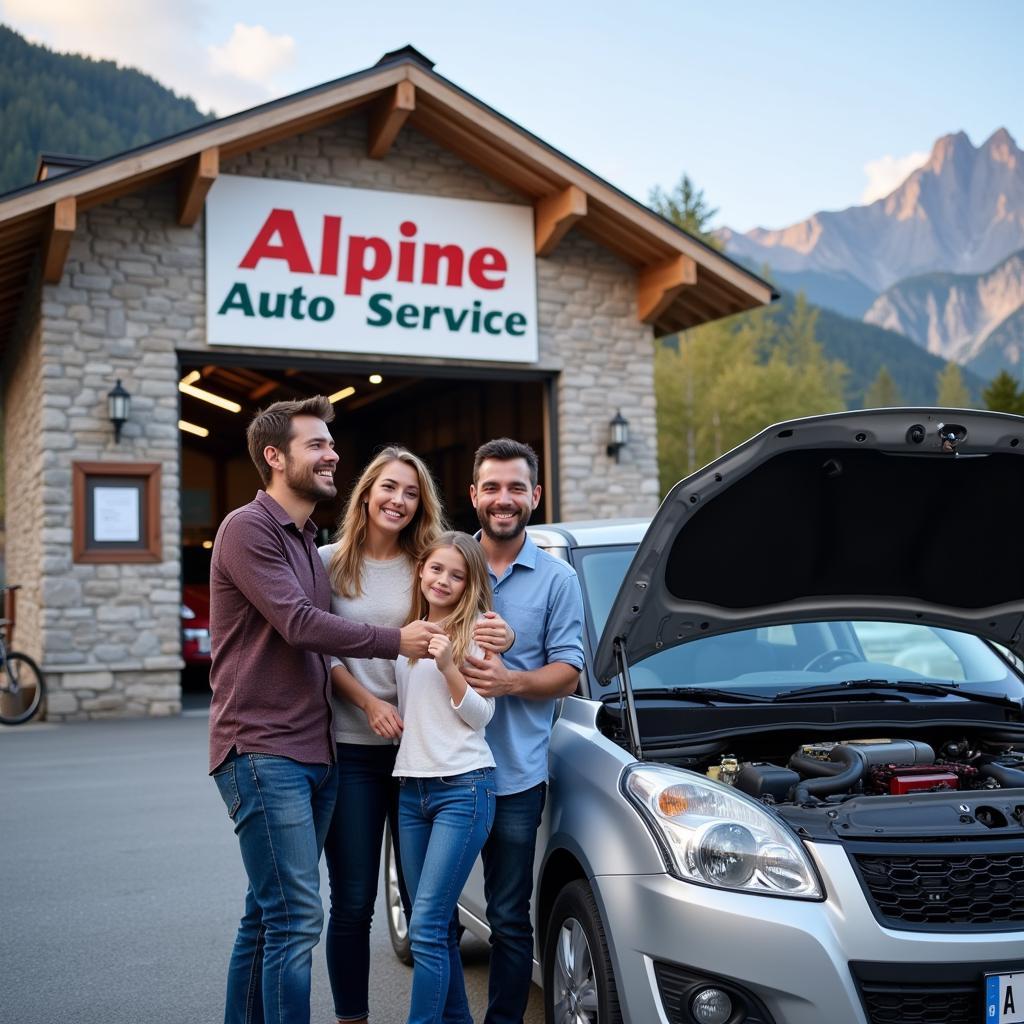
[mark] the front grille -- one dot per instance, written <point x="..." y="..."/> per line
<point x="960" y="890"/>
<point x="925" y="993"/>
<point x="886" y="1003"/>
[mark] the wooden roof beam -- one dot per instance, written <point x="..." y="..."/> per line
<point x="62" y="229"/>
<point x="555" y="214"/>
<point x="658" y="286"/>
<point x="388" y="115"/>
<point x="200" y="174"/>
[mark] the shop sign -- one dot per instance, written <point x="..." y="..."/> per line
<point x="301" y="266"/>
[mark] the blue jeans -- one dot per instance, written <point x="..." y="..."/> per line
<point x="367" y="798"/>
<point x="281" y="809"/>
<point x="508" y="885"/>
<point x="443" y="824"/>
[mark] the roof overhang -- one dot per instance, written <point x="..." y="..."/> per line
<point x="681" y="282"/>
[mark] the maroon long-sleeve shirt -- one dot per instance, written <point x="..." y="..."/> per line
<point x="270" y="629"/>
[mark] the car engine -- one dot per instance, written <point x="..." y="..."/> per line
<point x="834" y="771"/>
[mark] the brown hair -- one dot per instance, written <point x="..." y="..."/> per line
<point x="272" y="427"/>
<point x="504" y="449"/>
<point x="427" y="522"/>
<point x="476" y="598"/>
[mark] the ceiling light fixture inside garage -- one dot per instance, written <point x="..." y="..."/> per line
<point x="339" y="395"/>
<point x="206" y="396"/>
<point x="191" y="428"/>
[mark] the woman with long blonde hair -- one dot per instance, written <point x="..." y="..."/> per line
<point x="446" y="806"/>
<point x="392" y="516"/>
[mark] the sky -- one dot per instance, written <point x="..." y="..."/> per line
<point x="775" y="110"/>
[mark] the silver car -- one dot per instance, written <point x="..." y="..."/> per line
<point x="790" y="789"/>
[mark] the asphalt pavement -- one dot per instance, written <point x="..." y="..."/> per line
<point x="122" y="883"/>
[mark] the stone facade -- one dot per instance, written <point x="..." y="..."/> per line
<point x="132" y="296"/>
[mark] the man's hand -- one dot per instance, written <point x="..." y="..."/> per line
<point x="415" y="638"/>
<point x="490" y="677"/>
<point x="384" y="719"/>
<point x="493" y="633"/>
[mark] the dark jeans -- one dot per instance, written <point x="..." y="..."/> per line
<point x="367" y="798"/>
<point x="508" y="886"/>
<point x="281" y="809"/>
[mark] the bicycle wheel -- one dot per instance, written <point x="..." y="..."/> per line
<point x="21" y="689"/>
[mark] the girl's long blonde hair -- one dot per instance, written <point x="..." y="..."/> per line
<point x="476" y="598"/>
<point x="427" y="522"/>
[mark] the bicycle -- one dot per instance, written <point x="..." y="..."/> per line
<point x="22" y="685"/>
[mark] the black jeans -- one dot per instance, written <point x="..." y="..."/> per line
<point x="367" y="798"/>
<point x="508" y="886"/>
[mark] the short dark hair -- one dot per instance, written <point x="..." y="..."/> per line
<point x="504" y="449"/>
<point x="273" y="426"/>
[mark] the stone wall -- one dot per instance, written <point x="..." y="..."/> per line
<point x="111" y="632"/>
<point x="132" y="295"/>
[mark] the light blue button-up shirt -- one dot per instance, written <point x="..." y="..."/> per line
<point x="539" y="597"/>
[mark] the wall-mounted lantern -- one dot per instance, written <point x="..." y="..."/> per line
<point x="119" y="404"/>
<point x="618" y="429"/>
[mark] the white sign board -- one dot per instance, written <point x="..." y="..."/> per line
<point x="290" y="265"/>
<point x="115" y="513"/>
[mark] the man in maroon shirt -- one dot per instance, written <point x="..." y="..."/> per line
<point x="271" y="747"/>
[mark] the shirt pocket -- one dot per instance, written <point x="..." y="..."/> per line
<point x="527" y="621"/>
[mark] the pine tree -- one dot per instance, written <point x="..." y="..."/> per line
<point x="952" y="392"/>
<point x="687" y="208"/>
<point x="883" y="392"/>
<point x="1003" y="395"/>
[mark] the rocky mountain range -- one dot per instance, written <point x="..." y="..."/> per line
<point x="934" y="260"/>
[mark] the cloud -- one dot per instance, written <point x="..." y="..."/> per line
<point x="888" y="172"/>
<point x="163" y="40"/>
<point x="252" y="53"/>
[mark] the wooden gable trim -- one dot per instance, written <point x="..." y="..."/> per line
<point x="555" y="214"/>
<point x="389" y="114"/>
<point x="657" y="286"/>
<point x="62" y="230"/>
<point x="195" y="183"/>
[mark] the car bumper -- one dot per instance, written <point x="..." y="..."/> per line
<point x="794" y="957"/>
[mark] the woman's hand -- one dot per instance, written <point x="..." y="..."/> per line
<point x="492" y="633"/>
<point x="384" y="718"/>
<point x="440" y="649"/>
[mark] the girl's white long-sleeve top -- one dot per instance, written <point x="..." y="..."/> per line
<point x="439" y="738"/>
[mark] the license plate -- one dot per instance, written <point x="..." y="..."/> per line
<point x="204" y="645"/>
<point x="1004" y="999"/>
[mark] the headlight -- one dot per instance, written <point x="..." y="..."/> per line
<point x="718" y="836"/>
<point x="186" y="612"/>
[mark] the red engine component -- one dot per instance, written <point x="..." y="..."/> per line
<point x="898" y="779"/>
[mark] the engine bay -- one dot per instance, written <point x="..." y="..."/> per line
<point x="832" y="771"/>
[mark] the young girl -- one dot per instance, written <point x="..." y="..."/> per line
<point x="392" y="516"/>
<point x="446" y="805"/>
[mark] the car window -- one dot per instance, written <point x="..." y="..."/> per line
<point x="769" y="659"/>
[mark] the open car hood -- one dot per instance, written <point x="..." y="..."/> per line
<point x="913" y="515"/>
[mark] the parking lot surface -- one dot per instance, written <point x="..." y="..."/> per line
<point x="123" y="883"/>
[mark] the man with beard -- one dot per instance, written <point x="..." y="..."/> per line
<point x="271" y="746"/>
<point x="539" y="596"/>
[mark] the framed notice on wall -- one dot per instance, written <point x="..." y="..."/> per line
<point x="116" y="511"/>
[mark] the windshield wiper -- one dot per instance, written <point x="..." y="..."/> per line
<point x="897" y="686"/>
<point x="701" y="694"/>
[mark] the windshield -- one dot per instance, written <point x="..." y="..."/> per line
<point x="771" y="659"/>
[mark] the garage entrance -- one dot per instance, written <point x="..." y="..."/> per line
<point x="443" y="418"/>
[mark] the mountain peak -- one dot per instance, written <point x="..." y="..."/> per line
<point x="1002" y="148"/>
<point x="949" y="149"/>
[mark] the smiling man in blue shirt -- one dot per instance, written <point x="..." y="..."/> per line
<point x="540" y="598"/>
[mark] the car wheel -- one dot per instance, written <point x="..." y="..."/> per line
<point x="398" y="927"/>
<point x="579" y="985"/>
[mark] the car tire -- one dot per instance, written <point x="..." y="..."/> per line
<point x="579" y="984"/>
<point x="398" y="926"/>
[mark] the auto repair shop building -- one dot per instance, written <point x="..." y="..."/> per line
<point x="386" y="239"/>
